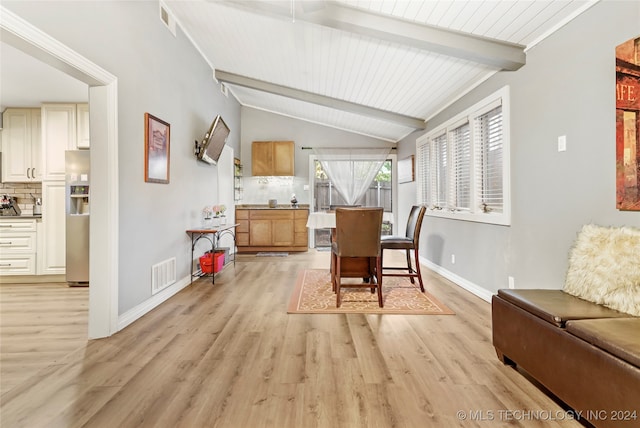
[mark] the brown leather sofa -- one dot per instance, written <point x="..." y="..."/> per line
<point x="587" y="355"/>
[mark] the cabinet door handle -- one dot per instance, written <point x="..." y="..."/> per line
<point x="6" y="225"/>
<point x="28" y="169"/>
<point x="33" y="173"/>
<point x="6" y="243"/>
<point x="5" y="264"/>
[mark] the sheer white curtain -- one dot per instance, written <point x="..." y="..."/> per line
<point x="351" y="171"/>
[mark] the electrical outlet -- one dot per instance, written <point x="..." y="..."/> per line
<point x="453" y="259"/>
<point x="512" y="283"/>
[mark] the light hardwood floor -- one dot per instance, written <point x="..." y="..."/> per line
<point x="229" y="355"/>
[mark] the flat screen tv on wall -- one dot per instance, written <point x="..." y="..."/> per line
<point x="213" y="142"/>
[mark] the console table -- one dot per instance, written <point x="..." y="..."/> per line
<point x="213" y="236"/>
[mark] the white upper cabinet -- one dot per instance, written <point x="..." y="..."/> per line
<point x="21" y="145"/>
<point x="58" y="135"/>
<point x="82" y="115"/>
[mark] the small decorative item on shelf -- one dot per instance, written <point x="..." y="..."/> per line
<point x="219" y="217"/>
<point x="207" y="217"/>
<point x="294" y="201"/>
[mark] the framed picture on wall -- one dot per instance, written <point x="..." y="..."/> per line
<point x="628" y="125"/>
<point x="406" y="172"/>
<point x="157" y="134"/>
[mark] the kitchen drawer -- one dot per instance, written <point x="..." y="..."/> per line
<point x="14" y="225"/>
<point x="271" y="215"/>
<point x="18" y="243"/>
<point x="242" y="214"/>
<point x="19" y="264"/>
<point x="301" y="214"/>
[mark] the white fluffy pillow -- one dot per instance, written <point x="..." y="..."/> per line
<point x="604" y="267"/>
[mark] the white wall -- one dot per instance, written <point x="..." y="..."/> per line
<point x="566" y="88"/>
<point x="165" y="76"/>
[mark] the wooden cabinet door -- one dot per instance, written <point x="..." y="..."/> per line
<point x="83" y="138"/>
<point x="261" y="158"/>
<point x="283" y="158"/>
<point x="58" y="134"/>
<point x="272" y="158"/>
<point x="16" y="145"/>
<point x="21" y="159"/>
<point x="53" y="240"/>
<point x="260" y="233"/>
<point x="282" y="232"/>
<point x="300" y="228"/>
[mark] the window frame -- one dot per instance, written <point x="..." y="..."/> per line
<point x="425" y="153"/>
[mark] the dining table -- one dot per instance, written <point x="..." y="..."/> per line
<point x="327" y="219"/>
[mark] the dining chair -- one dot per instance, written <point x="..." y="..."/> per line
<point x="408" y="242"/>
<point x="355" y="252"/>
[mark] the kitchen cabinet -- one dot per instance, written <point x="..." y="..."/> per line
<point x="82" y="130"/>
<point x="52" y="251"/>
<point x="273" y="158"/>
<point x="18" y="241"/>
<point x="278" y="229"/>
<point x="58" y="135"/>
<point x="21" y="145"/>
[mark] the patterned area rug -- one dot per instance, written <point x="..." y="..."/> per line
<point x="313" y="295"/>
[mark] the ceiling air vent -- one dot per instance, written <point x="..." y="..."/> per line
<point x="167" y="19"/>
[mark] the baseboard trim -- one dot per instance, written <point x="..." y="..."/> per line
<point x="156" y="300"/>
<point x="33" y="279"/>
<point x="475" y="289"/>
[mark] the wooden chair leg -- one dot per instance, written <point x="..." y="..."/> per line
<point x="379" y="280"/>
<point x="418" y="270"/>
<point x="338" y="281"/>
<point x="409" y="266"/>
<point x="333" y="271"/>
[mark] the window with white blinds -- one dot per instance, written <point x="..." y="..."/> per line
<point x="463" y="165"/>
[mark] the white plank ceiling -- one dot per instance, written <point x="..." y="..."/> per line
<point x="379" y="68"/>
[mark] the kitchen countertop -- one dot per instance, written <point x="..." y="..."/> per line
<point x="266" y="207"/>
<point x="13" y="217"/>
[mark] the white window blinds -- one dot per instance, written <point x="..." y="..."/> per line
<point x="440" y="179"/>
<point x="461" y="149"/>
<point x="463" y="165"/>
<point x="423" y="165"/>
<point x="489" y="146"/>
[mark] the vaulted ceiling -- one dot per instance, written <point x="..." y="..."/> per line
<point x="379" y="68"/>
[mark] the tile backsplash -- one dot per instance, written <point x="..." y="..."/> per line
<point x="22" y="192"/>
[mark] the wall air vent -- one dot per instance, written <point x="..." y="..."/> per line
<point x="163" y="275"/>
<point x="167" y="18"/>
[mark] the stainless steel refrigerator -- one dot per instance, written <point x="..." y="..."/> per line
<point x="77" y="191"/>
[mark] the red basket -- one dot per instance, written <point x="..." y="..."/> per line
<point x="212" y="262"/>
<point x="218" y="261"/>
<point x="206" y="263"/>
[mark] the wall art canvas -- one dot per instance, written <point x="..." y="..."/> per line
<point x="628" y="125"/>
<point x="156" y="149"/>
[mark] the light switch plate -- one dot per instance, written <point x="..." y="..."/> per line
<point x="562" y="143"/>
